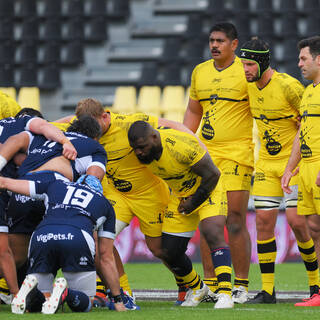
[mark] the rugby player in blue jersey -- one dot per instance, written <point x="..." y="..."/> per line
<point x="45" y="162"/>
<point x="26" y="119"/>
<point x="64" y="239"/>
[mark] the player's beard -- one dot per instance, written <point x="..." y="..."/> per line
<point x="147" y="159"/>
<point x="254" y="78"/>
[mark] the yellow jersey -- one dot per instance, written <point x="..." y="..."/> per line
<point x="226" y="127"/>
<point x="276" y="108"/>
<point x="180" y="152"/>
<point x="310" y="124"/>
<point x="8" y="106"/>
<point x="123" y="170"/>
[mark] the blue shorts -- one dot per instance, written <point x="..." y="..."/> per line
<point x="24" y="213"/>
<point x="61" y="246"/>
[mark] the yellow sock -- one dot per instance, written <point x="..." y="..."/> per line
<point x="267" y="253"/>
<point x="224" y="279"/>
<point x="212" y="283"/>
<point x="191" y="280"/>
<point x="124" y="283"/>
<point x="309" y="258"/>
<point x="4" y="287"/>
<point x="100" y="288"/>
<point x="238" y="282"/>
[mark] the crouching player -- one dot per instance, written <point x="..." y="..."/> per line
<point x="64" y="239"/>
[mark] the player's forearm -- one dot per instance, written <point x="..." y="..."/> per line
<point x="15" y="185"/>
<point x="109" y="273"/>
<point x="40" y="126"/>
<point x="13" y="145"/>
<point x="295" y="156"/>
<point x="193" y="115"/>
<point x="207" y="185"/>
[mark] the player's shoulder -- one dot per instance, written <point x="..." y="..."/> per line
<point x="285" y="78"/>
<point x="203" y="66"/>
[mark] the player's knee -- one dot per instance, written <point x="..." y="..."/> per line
<point x="234" y="226"/>
<point x="298" y="225"/>
<point x="215" y="240"/>
<point x="173" y="247"/>
<point x="314" y="231"/>
<point x="156" y="251"/>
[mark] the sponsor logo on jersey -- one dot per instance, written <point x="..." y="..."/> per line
<point x="54" y="236"/>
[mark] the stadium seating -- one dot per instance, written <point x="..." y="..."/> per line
<point x="29" y="97"/>
<point x="138" y="42"/>
<point x="10" y="91"/>
<point x="125" y="100"/>
<point x="149" y="100"/>
<point x="173" y="102"/>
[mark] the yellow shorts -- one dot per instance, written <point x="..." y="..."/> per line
<point x="148" y="206"/>
<point x="175" y="222"/>
<point x="234" y="176"/>
<point x="309" y="192"/>
<point x="267" y="178"/>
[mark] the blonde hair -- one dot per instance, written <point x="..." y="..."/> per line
<point x="90" y="106"/>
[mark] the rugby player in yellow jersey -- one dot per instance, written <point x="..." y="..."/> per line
<point x="132" y="189"/>
<point x="8" y="106"/>
<point x="274" y="102"/>
<point x="179" y="159"/>
<point x="309" y="150"/>
<point x="218" y="106"/>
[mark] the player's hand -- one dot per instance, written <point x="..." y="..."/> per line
<point x="285" y="180"/>
<point x="185" y="206"/>
<point x="69" y="150"/>
<point x="120" y="307"/>
<point x="318" y="179"/>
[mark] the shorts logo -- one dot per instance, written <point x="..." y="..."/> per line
<point x="259" y="176"/>
<point x="54" y="236"/>
<point x="218" y="253"/>
<point x="234" y="172"/>
<point x="158" y="221"/>
<point x="83" y="261"/>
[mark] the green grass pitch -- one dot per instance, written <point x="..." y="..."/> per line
<point x="289" y="277"/>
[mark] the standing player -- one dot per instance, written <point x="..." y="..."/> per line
<point x="274" y="102"/>
<point x="218" y="98"/>
<point x="64" y="239"/>
<point x="309" y="150"/>
<point x="179" y="159"/>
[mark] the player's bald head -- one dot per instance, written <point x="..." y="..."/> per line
<point x="139" y="130"/>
